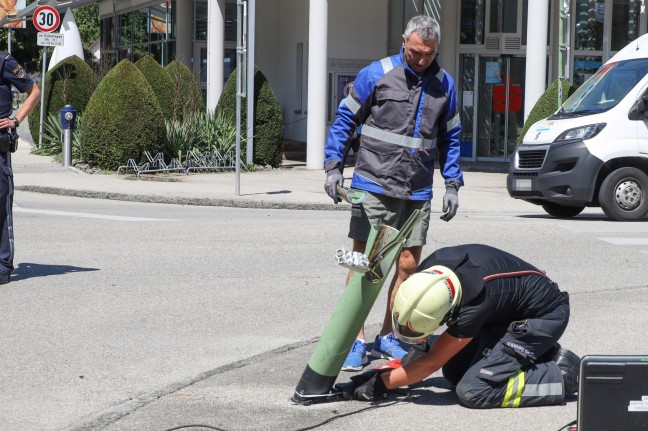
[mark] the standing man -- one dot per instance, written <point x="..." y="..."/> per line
<point x="11" y="73"/>
<point x="404" y="109"/>
<point x="500" y="349"/>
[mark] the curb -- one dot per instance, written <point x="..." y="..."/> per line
<point x="229" y="203"/>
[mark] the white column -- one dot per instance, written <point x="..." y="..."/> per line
<point x="536" y="53"/>
<point x="317" y="70"/>
<point x="184" y="33"/>
<point x="448" y="22"/>
<point x="215" y="51"/>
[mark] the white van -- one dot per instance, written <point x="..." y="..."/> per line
<point x="593" y="151"/>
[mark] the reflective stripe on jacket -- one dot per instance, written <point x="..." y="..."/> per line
<point x="403" y="121"/>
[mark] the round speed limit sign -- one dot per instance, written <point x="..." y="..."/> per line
<point x="46" y="19"/>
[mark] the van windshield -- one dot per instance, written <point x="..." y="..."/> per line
<point x="605" y="89"/>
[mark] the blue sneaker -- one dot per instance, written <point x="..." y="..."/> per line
<point x="357" y="357"/>
<point x="387" y="347"/>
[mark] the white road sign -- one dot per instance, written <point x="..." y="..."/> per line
<point x="51" y="39"/>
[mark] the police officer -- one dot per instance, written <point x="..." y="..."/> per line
<point x="11" y="74"/>
<point x="504" y="319"/>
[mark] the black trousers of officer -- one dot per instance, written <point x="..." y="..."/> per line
<point x="511" y="366"/>
<point x="6" y="215"/>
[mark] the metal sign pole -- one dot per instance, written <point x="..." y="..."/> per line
<point x="239" y="62"/>
<point x="42" y="103"/>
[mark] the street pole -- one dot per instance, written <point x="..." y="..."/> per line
<point x="42" y="103"/>
<point x="249" y="138"/>
<point x="240" y="51"/>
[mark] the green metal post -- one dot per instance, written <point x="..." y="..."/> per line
<point x="383" y="247"/>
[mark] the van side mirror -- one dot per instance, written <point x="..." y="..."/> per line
<point x="639" y="110"/>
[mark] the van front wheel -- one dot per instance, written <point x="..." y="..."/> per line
<point x="624" y="194"/>
<point x="561" y="211"/>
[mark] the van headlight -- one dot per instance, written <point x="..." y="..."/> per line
<point x="581" y="133"/>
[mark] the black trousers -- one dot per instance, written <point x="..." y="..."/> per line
<point x="510" y="366"/>
<point x="6" y="213"/>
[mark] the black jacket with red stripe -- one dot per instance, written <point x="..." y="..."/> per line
<point x="497" y="287"/>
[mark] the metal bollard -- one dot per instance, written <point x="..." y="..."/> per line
<point x="68" y="117"/>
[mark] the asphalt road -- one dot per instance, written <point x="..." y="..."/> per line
<point x="132" y="316"/>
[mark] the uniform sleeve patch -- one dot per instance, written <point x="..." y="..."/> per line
<point x="19" y="72"/>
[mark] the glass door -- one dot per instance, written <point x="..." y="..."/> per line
<point x="500" y="113"/>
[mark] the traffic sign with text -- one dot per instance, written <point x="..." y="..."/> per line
<point x="51" y="39"/>
<point x="46" y="19"/>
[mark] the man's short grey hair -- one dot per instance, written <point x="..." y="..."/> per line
<point x="425" y="26"/>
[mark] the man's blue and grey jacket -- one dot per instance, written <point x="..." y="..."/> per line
<point x="403" y="121"/>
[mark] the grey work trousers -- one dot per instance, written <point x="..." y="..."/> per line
<point x="511" y="366"/>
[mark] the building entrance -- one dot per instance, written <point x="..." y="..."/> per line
<point x="500" y="112"/>
<point x="492" y="105"/>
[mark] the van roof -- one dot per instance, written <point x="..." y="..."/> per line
<point x="638" y="48"/>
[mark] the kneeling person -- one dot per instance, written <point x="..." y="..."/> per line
<point x="500" y="348"/>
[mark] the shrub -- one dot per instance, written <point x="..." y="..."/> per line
<point x="268" y="131"/>
<point x="187" y="95"/>
<point x="546" y="105"/>
<point x="160" y="81"/>
<point x="122" y="119"/>
<point x="71" y="82"/>
<point x="200" y="132"/>
<point x="182" y="136"/>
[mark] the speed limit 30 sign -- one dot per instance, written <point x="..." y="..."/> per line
<point x="46" y="19"/>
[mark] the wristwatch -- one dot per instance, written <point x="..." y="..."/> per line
<point x="16" y="122"/>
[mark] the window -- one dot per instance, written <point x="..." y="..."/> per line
<point x="585" y="67"/>
<point x="472" y="22"/>
<point x="201" y="21"/>
<point x="503" y="16"/>
<point x="589" y="25"/>
<point x="625" y="22"/>
<point x="144" y="31"/>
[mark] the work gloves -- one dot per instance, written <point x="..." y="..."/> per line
<point x="333" y="180"/>
<point x="450" y="200"/>
<point x="367" y="386"/>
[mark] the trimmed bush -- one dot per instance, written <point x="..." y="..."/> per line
<point x="71" y="82"/>
<point x="546" y="105"/>
<point x="122" y="120"/>
<point x="268" y="131"/>
<point x="187" y="95"/>
<point x="160" y="82"/>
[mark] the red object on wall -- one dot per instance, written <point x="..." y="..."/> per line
<point x="515" y="97"/>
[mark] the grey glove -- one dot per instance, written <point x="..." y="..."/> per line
<point x="450" y="202"/>
<point x="333" y="180"/>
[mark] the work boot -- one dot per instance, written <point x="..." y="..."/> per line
<point x="4" y="277"/>
<point x="569" y="364"/>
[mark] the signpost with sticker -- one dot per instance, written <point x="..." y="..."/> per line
<point x="46" y="19"/>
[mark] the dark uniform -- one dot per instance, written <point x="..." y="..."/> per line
<point x="11" y="73"/>
<point x="515" y="315"/>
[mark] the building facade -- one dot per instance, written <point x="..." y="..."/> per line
<point x="502" y="53"/>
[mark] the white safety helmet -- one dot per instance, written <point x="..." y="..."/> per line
<point x="425" y="301"/>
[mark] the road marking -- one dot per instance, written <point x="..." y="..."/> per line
<point x="600" y="227"/>
<point x="626" y="241"/>
<point x="86" y="215"/>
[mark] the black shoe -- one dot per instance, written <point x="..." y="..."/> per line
<point x="4" y="277"/>
<point x="569" y="364"/>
